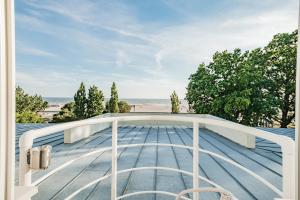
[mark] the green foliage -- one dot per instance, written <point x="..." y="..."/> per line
<point x="251" y="87"/>
<point x="106" y="110"/>
<point x="28" y="117"/>
<point x="94" y="102"/>
<point x="82" y="107"/>
<point x="26" y="102"/>
<point x="114" y="99"/>
<point x="281" y="55"/>
<point x="175" y="103"/>
<point x="27" y="107"/>
<point x="124" y="107"/>
<point x="80" y="102"/>
<point x="66" y="113"/>
<point x="232" y="86"/>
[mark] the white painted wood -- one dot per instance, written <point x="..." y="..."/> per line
<point x="297" y="119"/>
<point x="25" y="193"/>
<point x="7" y="99"/>
<point x="288" y="171"/>
<point x="235" y="135"/>
<point x="195" y="159"/>
<point x="24" y="170"/>
<point x="78" y="133"/>
<point x="114" y="160"/>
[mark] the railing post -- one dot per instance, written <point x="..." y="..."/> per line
<point x="195" y="159"/>
<point x="24" y="170"/>
<point x="288" y="171"/>
<point x="25" y="143"/>
<point x="114" y="160"/>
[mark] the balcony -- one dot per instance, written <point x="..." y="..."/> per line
<point x="151" y="157"/>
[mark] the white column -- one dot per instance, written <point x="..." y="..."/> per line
<point x="297" y="110"/>
<point x="195" y="159"/>
<point x="114" y="159"/>
<point x="24" y="170"/>
<point x="288" y="171"/>
<point x="7" y="99"/>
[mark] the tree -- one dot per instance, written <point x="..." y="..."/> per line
<point x="94" y="102"/>
<point x="27" y="107"/>
<point x="124" y="107"/>
<point x="232" y="86"/>
<point x="175" y="103"/>
<point x="281" y="55"/>
<point x="113" y="102"/>
<point x="26" y="102"/>
<point x="28" y="117"/>
<point x="66" y="113"/>
<point x="80" y="102"/>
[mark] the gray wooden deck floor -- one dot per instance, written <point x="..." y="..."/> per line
<point x="265" y="160"/>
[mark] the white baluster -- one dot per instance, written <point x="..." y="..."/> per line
<point x="195" y="159"/>
<point x="114" y="160"/>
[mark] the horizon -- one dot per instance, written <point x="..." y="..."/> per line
<point x="148" y="54"/>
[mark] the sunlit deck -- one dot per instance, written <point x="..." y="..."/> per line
<point x="265" y="160"/>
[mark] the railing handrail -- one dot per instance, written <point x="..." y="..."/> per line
<point x="286" y="143"/>
<point x="146" y="168"/>
<point x="28" y="137"/>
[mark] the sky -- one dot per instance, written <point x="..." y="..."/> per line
<point x="148" y="47"/>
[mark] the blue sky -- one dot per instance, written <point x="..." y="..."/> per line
<point x="149" y="48"/>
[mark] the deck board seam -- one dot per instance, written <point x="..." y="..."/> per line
<point x="231" y="175"/>
<point x="83" y="170"/>
<point x="109" y="169"/>
<point x="135" y="164"/>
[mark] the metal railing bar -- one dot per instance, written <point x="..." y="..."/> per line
<point x="151" y="192"/>
<point x="261" y="179"/>
<point x="190" y="152"/>
<point x="119" y="156"/>
<point x="87" y="167"/>
<point x="144" y="168"/>
<point x="41" y="179"/>
<point x="227" y="171"/>
<point x="32" y="134"/>
<point x="287" y="144"/>
<point x="114" y="159"/>
<point x="241" y="153"/>
<point x="156" y="164"/>
<point x="195" y="159"/>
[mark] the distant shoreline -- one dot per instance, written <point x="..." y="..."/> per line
<point x="137" y="105"/>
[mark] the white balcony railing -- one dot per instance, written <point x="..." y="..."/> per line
<point x="287" y="146"/>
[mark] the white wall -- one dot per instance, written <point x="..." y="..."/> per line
<point x="239" y="137"/>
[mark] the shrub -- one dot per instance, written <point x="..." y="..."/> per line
<point x="124" y="107"/>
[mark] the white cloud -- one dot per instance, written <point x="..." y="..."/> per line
<point x="158" y="60"/>
<point x="28" y="50"/>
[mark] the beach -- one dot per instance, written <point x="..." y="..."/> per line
<point x="137" y="105"/>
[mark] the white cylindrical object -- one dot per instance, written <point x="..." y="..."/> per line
<point x="7" y="99"/>
<point x="297" y="116"/>
<point x="45" y="152"/>
<point x="35" y="158"/>
<point x="195" y="159"/>
<point x="114" y="159"/>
